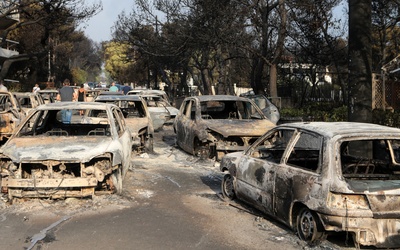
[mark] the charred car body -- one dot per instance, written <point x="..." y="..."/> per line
<point x="137" y="118"/>
<point x="29" y="100"/>
<point x="58" y="153"/>
<point x="267" y="107"/>
<point x="161" y="112"/>
<point x="323" y="177"/>
<point x="48" y="95"/>
<point x="210" y="126"/>
<point x="11" y="114"/>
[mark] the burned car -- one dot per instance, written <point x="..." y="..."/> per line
<point x="210" y="126"/>
<point x="160" y="93"/>
<point x="11" y="114"/>
<point x="323" y="177"/>
<point x="29" y="100"/>
<point x="267" y="107"/>
<point x="49" y="95"/>
<point x="161" y="112"/>
<point x="58" y="153"/>
<point x="137" y="118"/>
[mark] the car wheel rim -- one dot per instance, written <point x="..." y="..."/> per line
<point x="307" y="225"/>
<point x="228" y="189"/>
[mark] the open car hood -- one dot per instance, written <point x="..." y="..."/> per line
<point x="71" y="148"/>
<point x="236" y="127"/>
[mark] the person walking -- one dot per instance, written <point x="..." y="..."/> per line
<point x="126" y="88"/>
<point x="82" y="93"/>
<point x="113" y="88"/>
<point x="81" y="96"/>
<point x="36" y="88"/>
<point x="66" y="94"/>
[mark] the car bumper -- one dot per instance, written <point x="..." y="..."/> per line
<point x="55" y="188"/>
<point x="381" y="233"/>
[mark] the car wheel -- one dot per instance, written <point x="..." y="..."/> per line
<point x="309" y="227"/>
<point x="116" y="178"/>
<point x="227" y="188"/>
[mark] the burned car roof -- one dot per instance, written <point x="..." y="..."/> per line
<point x="332" y="129"/>
<point x="72" y="105"/>
<point x="202" y="98"/>
<point x="119" y="97"/>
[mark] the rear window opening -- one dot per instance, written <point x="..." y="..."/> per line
<point x="376" y="159"/>
<point x="93" y="122"/>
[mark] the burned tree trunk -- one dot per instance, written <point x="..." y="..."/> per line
<point x="360" y="68"/>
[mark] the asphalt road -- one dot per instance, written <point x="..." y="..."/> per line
<point x="171" y="200"/>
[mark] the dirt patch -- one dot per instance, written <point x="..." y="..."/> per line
<point x="246" y="229"/>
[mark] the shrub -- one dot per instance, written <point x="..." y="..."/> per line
<point x="316" y="112"/>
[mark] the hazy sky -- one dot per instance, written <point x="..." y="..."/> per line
<point x="98" y="28"/>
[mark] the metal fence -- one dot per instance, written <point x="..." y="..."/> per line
<point x="385" y="94"/>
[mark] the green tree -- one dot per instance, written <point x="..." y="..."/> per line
<point x="79" y="76"/>
<point x="117" y="63"/>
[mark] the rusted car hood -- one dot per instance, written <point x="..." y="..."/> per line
<point x="239" y="127"/>
<point x="56" y="148"/>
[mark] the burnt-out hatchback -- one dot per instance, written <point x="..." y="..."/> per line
<point x="56" y="152"/>
<point x="212" y="125"/>
<point x="323" y="177"/>
<point x="137" y="117"/>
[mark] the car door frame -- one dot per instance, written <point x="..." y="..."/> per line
<point x="124" y="137"/>
<point x="184" y="124"/>
<point x="260" y="190"/>
<point x="294" y="183"/>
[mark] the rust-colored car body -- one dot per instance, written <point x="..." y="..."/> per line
<point x="212" y="125"/>
<point x="323" y="177"/>
<point x="57" y="153"/>
<point x="11" y="114"/>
